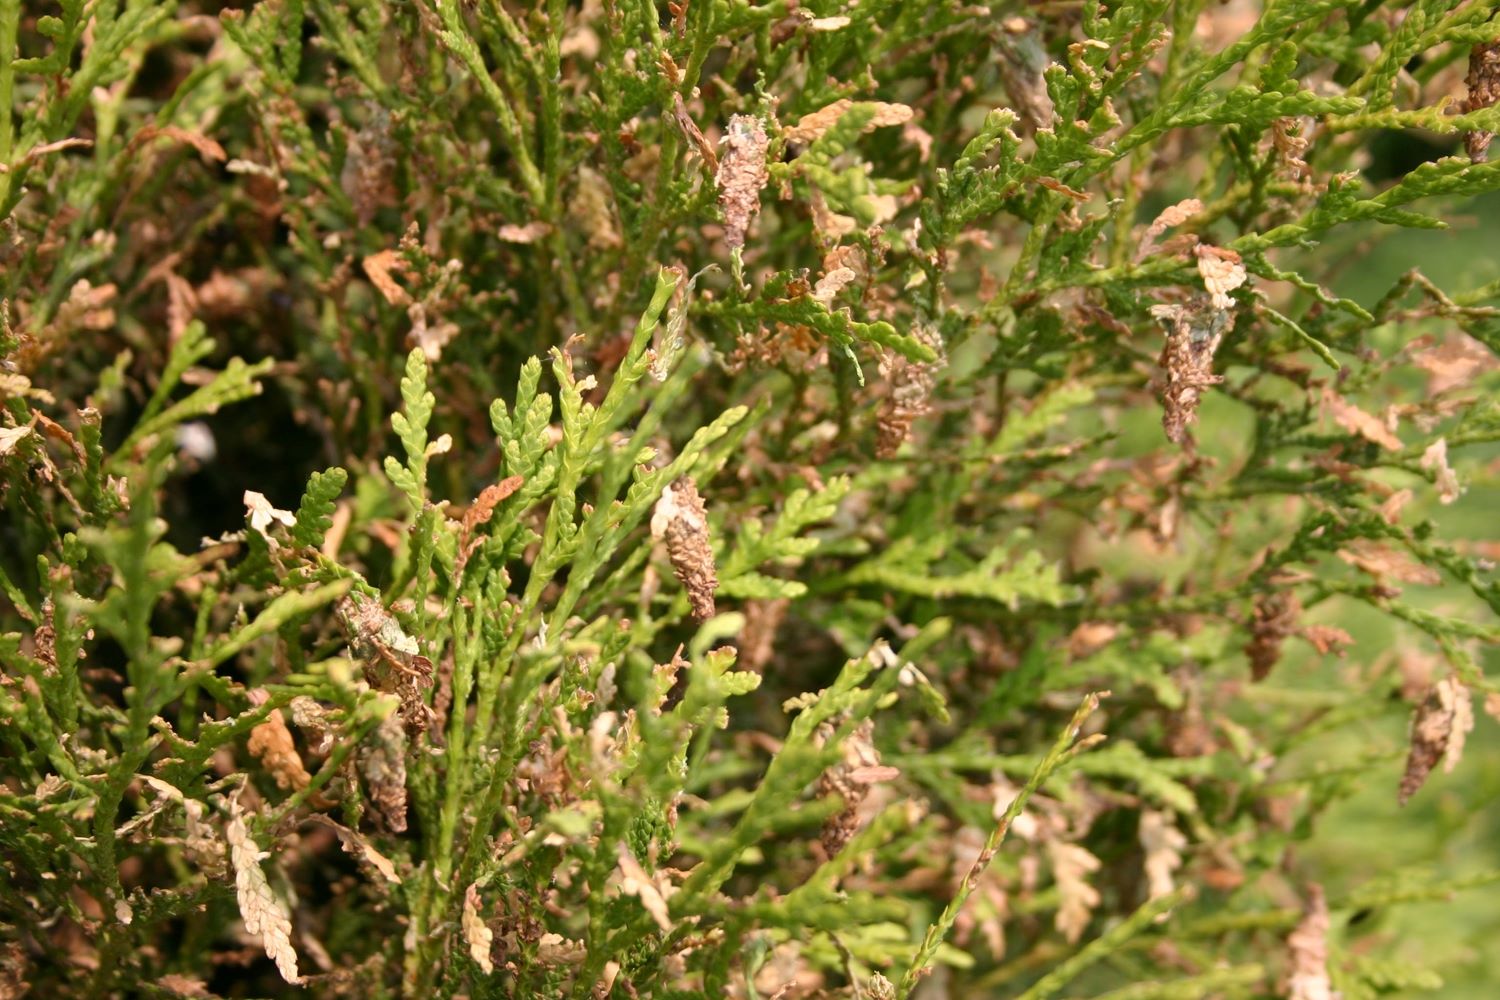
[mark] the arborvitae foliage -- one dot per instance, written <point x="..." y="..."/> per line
<point x="738" y="446"/>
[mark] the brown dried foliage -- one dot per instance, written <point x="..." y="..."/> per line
<point x="1307" y="948"/>
<point x="1170" y="217"/>
<point x="271" y="743"/>
<point x="1291" y="144"/>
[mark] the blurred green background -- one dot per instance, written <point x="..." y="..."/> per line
<point x="1451" y="828"/>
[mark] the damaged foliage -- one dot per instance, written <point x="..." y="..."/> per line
<point x="643" y="500"/>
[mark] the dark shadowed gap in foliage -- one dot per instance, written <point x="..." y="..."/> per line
<point x="104" y="669"/>
<point x="163" y="69"/>
<point x="261" y="447"/>
<point x="1395" y="154"/>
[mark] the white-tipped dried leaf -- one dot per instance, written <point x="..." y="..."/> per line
<point x="355" y="844"/>
<point x="810" y="126"/>
<point x="54" y="783"/>
<point x="581" y="39"/>
<point x="828" y="23"/>
<point x="788" y="973"/>
<point x="529" y="233"/>
<point x="1435" y="459"/>
<point x="1307" y="948"/>
<point x="1071" y="866"/>
<point x="635" y="882"/>
<point x="1455" y="363"/>
<point x="1327" y="639"/>
<point x="1090" y="637"/>
<point x="9" y="436"/>
<point x="554" y="949"/>
<point x="87" y="307"/>
<point x="606" y="983"/>
<point x="829" y="224"/>
<point x="1386" y="563"/>
<point x="186" y="987"/>
<point x="378" y="267"/>
<point x="431" y="336"/>
<point x="1392" y="506"/>
<point x="1356" y="421"/>
<point x="261" y="514"/>
<point x="476" y="932"/>
<point x="1222" y="273"/>
<point x="1163" y="844"/>
<point x="265" y="916"/>
<point x="883" y="207"/>
<point x="1170" y="217"/>
<point x="1463" y="722"/>
<point x="832" y="283"/>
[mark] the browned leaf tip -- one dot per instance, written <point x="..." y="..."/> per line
<point x="694" y="134"/>
<point x="206" y="147"/>
<point x="489" y="498"/>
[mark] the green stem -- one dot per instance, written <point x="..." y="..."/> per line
<point x="1062" y="750"/>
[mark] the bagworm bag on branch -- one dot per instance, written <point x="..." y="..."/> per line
<point x="681" y="520"/>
